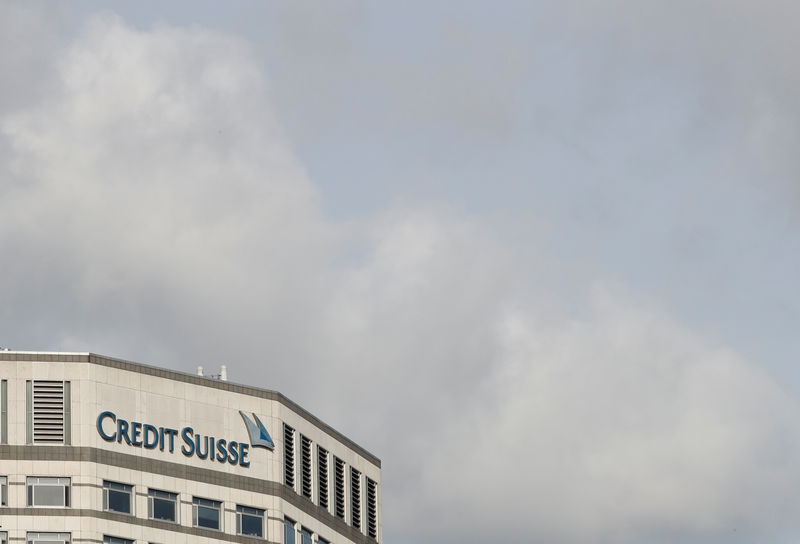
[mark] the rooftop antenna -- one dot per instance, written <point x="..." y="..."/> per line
<point x="222" y="376"/>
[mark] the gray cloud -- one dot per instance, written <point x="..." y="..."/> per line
<point x="153" y="208"/>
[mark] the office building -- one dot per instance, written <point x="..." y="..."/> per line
<point x="96" y="449"/>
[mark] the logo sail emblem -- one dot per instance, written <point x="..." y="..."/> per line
<point x="258" y="433"/>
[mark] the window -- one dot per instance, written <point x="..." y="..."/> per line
<point x="206" y="513"/>
<point x="338" y="487"/>
<point x="305" y="536"/>
<point x="3" y="538"/>
<point x="305" y="459"/>
<point x="43" y="491"/>
<point x="355" y="498"/>
<point x="288" y="531"/>
<point x="288" y="455"/>
<point x="249" y="521"/>
<point x="322" y="477"/>
<point x="162" y="505"/>
<point x="4" y="412"/>
<point x="3" y="490"/>
<point x="117" y="497"/>
<point x="48" y="538"/>
<point x="116" y="540"/>
<point x="322" y="541"/>
<point x="372" y="508"/>
<point x="48" y="414"/>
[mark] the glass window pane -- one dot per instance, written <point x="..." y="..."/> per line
<point x="163" y="509"/>
<point x="48" y="491"/>
<point x="117" y="497"/>
<point x="288" y="531"/>
<point x="207" y="517"/>
<point x="48" y="495"/>
<point x="252" y="525"/>
<point x="119" y="501"/>
<point x="249" y="521"/>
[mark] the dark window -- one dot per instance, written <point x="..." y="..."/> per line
<point x="162" y="505"/>
<point x="249" y="521"/>
<point x="288" y="531"/>
<point x="117" y="497"/>
<point x="306" y="536"/>
<point x="206" y="513"/>
<point x="116" y="540"/>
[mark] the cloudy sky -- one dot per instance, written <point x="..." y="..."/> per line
<point x="539" y="257"/>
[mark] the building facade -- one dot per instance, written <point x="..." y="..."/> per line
<point x="95" y="449"/>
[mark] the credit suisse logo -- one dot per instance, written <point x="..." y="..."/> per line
<point x="191" y="443"/>
<point x="259" y="437"/>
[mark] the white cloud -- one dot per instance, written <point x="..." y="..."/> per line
<point x="500" y="416"/>
<point x="156" y="172"/>
<point x="153" y="209"/>
<point x="614" y="428"/>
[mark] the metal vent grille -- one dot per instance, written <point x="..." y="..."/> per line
<point x="288" y="455"/>
<point x="338" y="487"/>
<point x="372" y="508"/>
<point x="322" y="476"/>
<point x="48" y="411"/>
<point x="305" y="474"/>
<point x="355" y="498"/>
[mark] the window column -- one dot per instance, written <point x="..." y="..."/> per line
<point x="355" y="498"/>
<point x="4" y="412"/>
<point x="288" y="455"/>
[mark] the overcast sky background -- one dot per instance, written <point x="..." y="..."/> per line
<point x="539" y="257"/>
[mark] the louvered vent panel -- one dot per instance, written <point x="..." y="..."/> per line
<point x="288" y="456"/>
<point x="322" y="476"/>
<point x="305" y="475"/>
<point x="372" y="508"/>
<point x="338" y="484"/>
<point x="48" y="411"/>
<point x="355" y="498"/>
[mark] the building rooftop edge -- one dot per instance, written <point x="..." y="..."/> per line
<point x="114" y="362"/>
